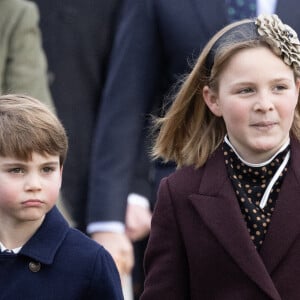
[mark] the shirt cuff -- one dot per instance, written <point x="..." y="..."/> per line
<point x="111" y="226"/>
<point x="138" y="200"/>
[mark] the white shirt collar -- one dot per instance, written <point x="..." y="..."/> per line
<point x="226" y="139"/>
<point x="14" y="250"/>
<point x="266" y="7"/>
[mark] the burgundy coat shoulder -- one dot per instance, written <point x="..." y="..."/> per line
<point x="199" y="246"/>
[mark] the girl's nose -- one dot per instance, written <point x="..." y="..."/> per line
<point x="264" y="102"/>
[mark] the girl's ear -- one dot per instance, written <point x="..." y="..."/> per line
<point x="211" y="101"/>
<point x="298" y="84"/>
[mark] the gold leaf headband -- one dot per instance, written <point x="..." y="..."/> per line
<point x="282" y="39"/>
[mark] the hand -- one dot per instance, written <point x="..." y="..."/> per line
<point x="138" y="221"/>
<point x="119" y="247"/>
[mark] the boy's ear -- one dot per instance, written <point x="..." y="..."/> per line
<point x="61" y="173"/>
<point x="211" y="101"/>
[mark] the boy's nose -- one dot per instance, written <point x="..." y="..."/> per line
<point x="32" y="182"/>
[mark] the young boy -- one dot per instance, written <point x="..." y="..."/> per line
<point x="41" y="256"/>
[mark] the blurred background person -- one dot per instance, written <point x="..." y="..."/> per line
<point x="155" y="45"/>
<point x="77" y="39"/>
<point x="23" y="66"/>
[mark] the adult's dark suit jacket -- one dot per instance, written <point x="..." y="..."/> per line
<point x="77" y="38"/>
<point x="155" y="43"/>
<point x="200" y="248"/>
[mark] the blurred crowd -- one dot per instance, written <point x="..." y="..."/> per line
<point x="107" y="67"/>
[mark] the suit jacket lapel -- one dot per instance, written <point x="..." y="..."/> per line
<point x="217" y="206"/>
<point x="285" y="222"/>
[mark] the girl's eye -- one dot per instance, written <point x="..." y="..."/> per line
<point x="280" y="87"/>
<point x="246" y="90"/>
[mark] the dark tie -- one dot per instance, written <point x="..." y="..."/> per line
<point x="240" y="9"/>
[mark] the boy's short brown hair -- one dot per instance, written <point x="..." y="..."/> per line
<point x="27" y="126"/>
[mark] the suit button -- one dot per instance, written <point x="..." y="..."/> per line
<point x="34" y="266"/>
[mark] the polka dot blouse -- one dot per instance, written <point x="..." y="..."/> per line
<point x="250" y="183"/>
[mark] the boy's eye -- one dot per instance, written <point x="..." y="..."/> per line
<point x="48" y="169"/>
<point x="16" y="170"/>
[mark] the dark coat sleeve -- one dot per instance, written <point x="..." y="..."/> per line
<point x="131" y="84"/>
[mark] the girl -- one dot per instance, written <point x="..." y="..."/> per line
<point x="226" y="224"/>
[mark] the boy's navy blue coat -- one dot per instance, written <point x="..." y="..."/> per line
<point x="59" y="262"/>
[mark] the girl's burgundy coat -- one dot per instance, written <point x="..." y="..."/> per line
<point x="200" y="248"/>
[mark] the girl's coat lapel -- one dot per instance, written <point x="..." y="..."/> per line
<point x="218" y="208"/>
<point x="285" y="224"/>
